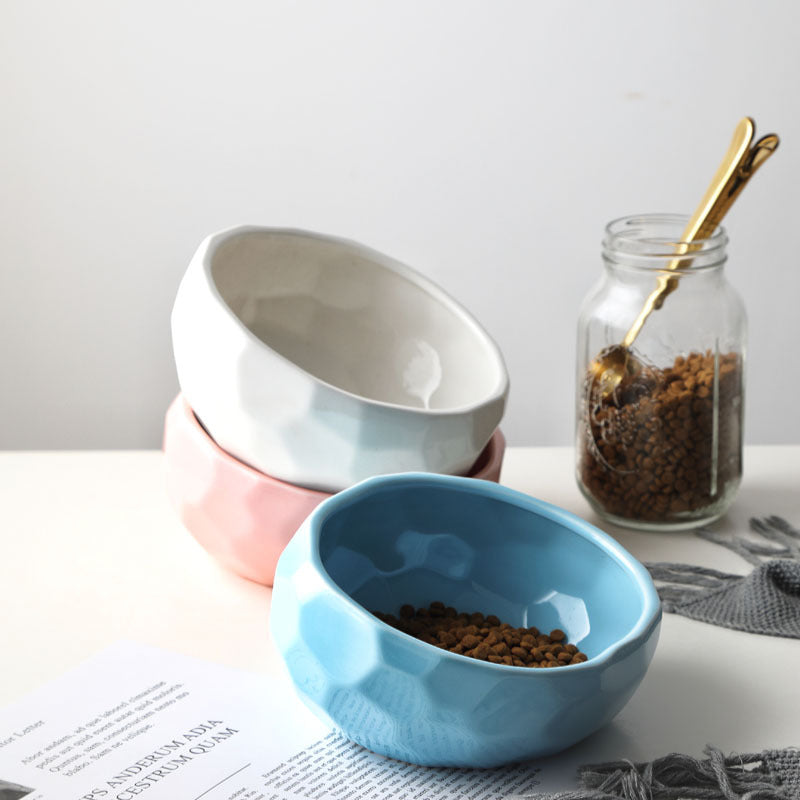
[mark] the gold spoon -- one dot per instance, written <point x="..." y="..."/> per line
<point x="740" y="163"/>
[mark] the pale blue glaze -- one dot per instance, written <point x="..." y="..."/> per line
<point x="414" y="538"/>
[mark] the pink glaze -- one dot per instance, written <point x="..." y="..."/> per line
<point x="243" y="517"/>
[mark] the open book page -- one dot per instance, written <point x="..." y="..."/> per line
<point x="138" y="721"/>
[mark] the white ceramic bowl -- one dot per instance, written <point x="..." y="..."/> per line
<point x="322" y="362"/>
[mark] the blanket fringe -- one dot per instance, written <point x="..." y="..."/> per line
<point x="783" y="541"/>
<point x="681" y="583"/>
<point x="675" y="776"/>
<point x="678" y="583"/>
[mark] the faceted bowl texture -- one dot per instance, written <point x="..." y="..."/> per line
<point x="242" y="517"/>
<point x="322" y="362"/>
<point x="416" y="538"/>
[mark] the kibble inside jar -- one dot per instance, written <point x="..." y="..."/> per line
<point x="665" y="445"/>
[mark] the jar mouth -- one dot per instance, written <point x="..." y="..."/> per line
<point x="654" y="241"/>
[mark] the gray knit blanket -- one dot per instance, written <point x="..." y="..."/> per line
<point x="766" y="601"/>
<point x="771" y="775"/>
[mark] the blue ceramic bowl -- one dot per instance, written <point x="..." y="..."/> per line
<point x="415" y="538"/>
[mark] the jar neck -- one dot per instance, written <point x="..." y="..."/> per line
<point x="654" y="242"/>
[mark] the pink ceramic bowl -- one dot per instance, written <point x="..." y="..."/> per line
<point x="243" y="517"/>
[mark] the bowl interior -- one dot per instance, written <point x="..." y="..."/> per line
<point x="478" y="551"/>
<point x="356" y="319"/>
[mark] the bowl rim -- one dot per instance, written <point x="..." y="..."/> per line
<point x="649" y="617"/>
<point x="180" y="413"/>
<point x="211" y="244"/>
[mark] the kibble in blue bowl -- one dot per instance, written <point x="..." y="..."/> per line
<point x="414" y="539"/>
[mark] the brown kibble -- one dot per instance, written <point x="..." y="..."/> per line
<point x="557" y="635"/>
<point x="492" y="620"/>
<point x="649" y="446"/>
<point x="481" y="650"/>
<point x="443" y="627"/>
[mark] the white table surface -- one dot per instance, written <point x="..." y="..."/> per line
<point x="91" y="551"/>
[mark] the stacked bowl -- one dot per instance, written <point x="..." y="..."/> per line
<point x="334" y="405"/>
<point x="308" y="363"/>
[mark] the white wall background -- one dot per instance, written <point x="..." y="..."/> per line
<point x="484" y="143"/>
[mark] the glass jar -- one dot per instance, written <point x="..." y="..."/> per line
<point x="659" y="422"/>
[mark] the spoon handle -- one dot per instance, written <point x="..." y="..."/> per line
<point x="706" y="213"/>
<point x="737" y="167"/>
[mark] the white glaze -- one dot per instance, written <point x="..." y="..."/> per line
<point x="321" y="362"/>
